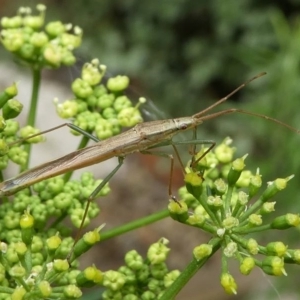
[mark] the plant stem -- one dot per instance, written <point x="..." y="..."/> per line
<point x="188" y="273"/>
<point x="135" y="224"/>
<point x="36" y="75"/>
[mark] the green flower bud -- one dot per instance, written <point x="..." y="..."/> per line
<point x="220" y="186"/>
<point x="89" y="277"/>
<point x="11" y="91"/>
<point x="26" y="224"/>
<point x="105" y="101"/>
<point x="157" y="252"/>
<point x="223" y="152"/>
<point x="17" y="271"/>
<point x="3" y="162"/>
<point x="276" y="249"/>
<point x="255" y="184"/>
<point x="171" y="277"/>
<point x="26" y="220"/>
<point x="231" y="249"/>
<point x="20" y="248"/>
<point x="118" y="83"/>
<point x="11" y="255"/>
<point x="242" y="198"/>
<point x="2" y="123"/>
<point x="244" y="179"/>
<point x="8" y="93"/>
<point x="113" y="280"/>
<point x="121" y="103"/>
<point x="103" y="129"/>
<point x="143" y="274"/>
<point x="178" y="211"/>
<point x="52" y="55"/>
<point x="27" y="131"/>
<point x="26" y="51"/>
<point x="194" y="183"/>
<point x="55" y="28"/>
<point x="158" y="271"/>
<point x="45" y="288"/>
<point x="247" y="265"/>
<point x="11" y="128"/>
<point x="12" y="41"/>
<point x="18" y="293"/>
<point x="13" y="22"/>
<point x="72" y="291"/>
<point x="154" y="285"/>
<point x="274" y="187"/>
<point x="148" y="295"/>
<point x="215" y="203"/>
<point x="39" y="39"/>
<point x="81" y="88"/>
<point x="130" y="276"/>
<point x="60" y="265"/>
<point x="53" y="243"/>
<point x="67" y="109"/>
<point x="252" y="246"/>
<point x="11" y="220"/>
<point x="293" y="256"/>
<point x="229" y="284"/>
<point x="273" y="265"/>
<point x="68" y="59"/>
<point x="34" y="22"/>
<point x="62" y="201"/>
<point x="230" y="222"/>
<point x="86" y="242"/>
<point x="92" y="73"/>
<point x="255" y="220"/>
<point x="3" y="147"/>
<point x="236" y="169"/>
<point x="12" y="109"/>
<point x="202" y="251"/>
<point x="196" y="219"/>
<point x="267" y="208"/>
<point x="286" y="221"/>
<point x="129" y="117"/>
<point x="134" y="260"/>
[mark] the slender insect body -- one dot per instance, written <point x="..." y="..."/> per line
<point x="139" y="138"/>
<point x="142" y="137"/>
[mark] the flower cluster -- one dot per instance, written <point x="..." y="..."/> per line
<point x="222" y="198"/>
<point x="10" y="130"/>
<point x="34" y="266"/>
<point x="51" y="47"/>
<point x="141" y="278"/>
<point x="102" y="109"/>
<point x="53" y="199"/>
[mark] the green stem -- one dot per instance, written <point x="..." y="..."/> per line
<point x="248" y="230"/>
<point x="134" y="224"/>
<point x="191" y="269"/>
<point x="36" y="74"/>
<point x="84" y="141"/>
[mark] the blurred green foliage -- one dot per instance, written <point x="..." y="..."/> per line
<point x="185" y="54"/>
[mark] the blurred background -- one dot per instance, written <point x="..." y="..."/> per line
<point x="185" y="55"/>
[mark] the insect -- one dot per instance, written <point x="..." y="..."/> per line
<point x="141" y="138"/>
